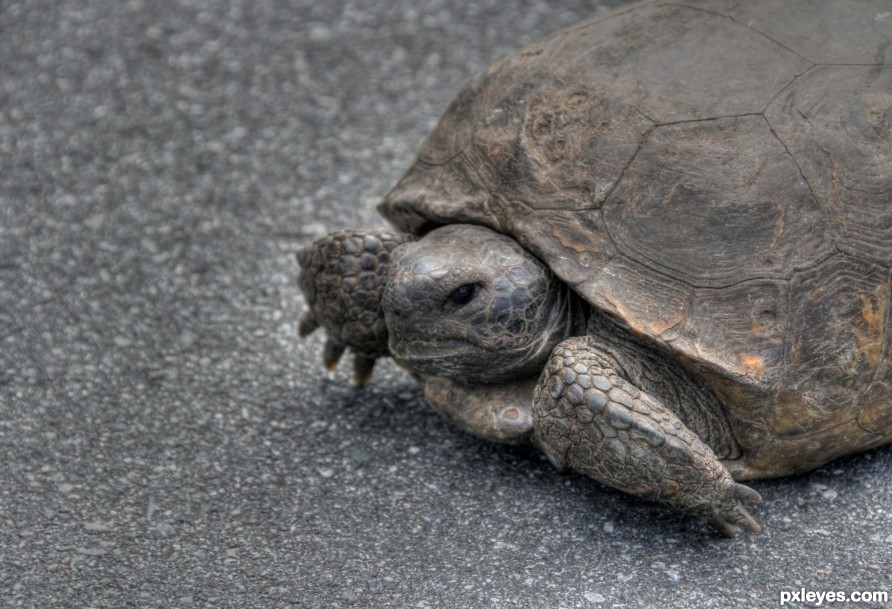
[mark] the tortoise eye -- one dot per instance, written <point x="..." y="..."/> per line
<point x="463" y="294"/>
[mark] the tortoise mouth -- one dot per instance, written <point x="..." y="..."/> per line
<point x="455" y="358"/>
<point x="432" y="357"/>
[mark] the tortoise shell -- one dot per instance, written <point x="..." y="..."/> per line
<point x="714" y="176"/>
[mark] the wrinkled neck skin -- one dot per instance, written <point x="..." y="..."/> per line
<point x="566" y="318"/>
<point x="471" y="305"/>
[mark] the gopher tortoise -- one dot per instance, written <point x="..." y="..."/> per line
<point x="656" y="245"/>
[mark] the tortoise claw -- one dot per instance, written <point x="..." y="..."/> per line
<point x="745" y="493"/>
<point x="729" y="516"/>
<point x="307" y="325"/>
<point x="362" y="368"/>
<point x="730" y="522"/>
<point x="332" y="352"/>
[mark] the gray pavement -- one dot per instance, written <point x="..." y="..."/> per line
<point x="165" y="441"/>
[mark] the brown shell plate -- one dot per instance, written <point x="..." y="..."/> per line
<point x="716" y="175"/>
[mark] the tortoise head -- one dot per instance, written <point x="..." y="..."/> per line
<point x="466" y="302"/>
<point x="463" y="302"/>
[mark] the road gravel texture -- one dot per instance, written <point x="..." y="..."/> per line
<point x="165" y="439"/>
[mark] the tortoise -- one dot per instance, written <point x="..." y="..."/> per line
<point x="656" y="245"/>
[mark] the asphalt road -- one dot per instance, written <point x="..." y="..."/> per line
<point x="165" y="440"/>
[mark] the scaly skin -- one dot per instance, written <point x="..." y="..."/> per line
<point x="477" y="319"/>
<point x="468" y="303"/>
<point x="342" y="278"/>
<point x="587" y="416"/>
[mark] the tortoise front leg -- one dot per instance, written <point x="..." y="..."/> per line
<point x="499" y="412"/>
<point x="586" y="416"/>
<point x="342" y="278"/>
